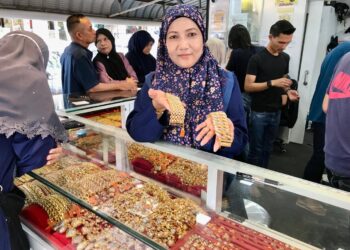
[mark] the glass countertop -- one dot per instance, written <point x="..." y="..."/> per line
<point x="314" y="222"/>
<point x="75" y="102"/>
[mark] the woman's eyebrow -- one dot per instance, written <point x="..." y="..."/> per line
<point x="187" y="30"/>
<point x="172" y="32"/>
<point x="191" y="29"/>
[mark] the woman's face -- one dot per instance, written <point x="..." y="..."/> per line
<point x="147" y="50"/>
<point x="104" y="45"/>
<point x="184" y="42"/>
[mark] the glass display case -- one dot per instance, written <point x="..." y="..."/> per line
<point x="109" y="107"/>
<point x="171" y="197"/>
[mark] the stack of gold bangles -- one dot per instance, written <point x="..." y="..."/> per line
<point x="177" y="112"/>
<point x="56" y="207"/>
<point x="222" y="128"/>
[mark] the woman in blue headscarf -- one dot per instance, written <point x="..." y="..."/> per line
<point x="139" y="54"/>
<point x="186" y="69"/>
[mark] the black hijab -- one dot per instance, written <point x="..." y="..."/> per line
<point x="113" y="63"/>
<point x="141" y="63"/>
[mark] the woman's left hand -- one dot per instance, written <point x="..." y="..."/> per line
<point x="54" y="155"/>
<point x="207" y="131"/>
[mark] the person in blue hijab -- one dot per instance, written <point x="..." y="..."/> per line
<point x="139" y="54"/>
<point x="29" y="126"/>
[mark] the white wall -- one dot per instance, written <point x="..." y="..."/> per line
<point x="322" y="24"/>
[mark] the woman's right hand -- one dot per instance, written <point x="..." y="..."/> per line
<point x="159" y="100"/>
<point x="54" y="155"/>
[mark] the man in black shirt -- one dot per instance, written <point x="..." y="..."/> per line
<point x="267" y="81"/>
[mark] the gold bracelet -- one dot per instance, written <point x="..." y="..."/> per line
<point x="222" y="128"/>
<point x="177" y="110"/>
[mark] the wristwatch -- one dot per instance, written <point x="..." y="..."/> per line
<point x="269" y="84"/>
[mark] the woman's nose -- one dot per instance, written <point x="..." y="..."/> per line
<point x="183" y="44"/>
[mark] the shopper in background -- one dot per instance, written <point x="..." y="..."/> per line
<point x="29" y="126"/>
<point x="267" y="81"/>
<point x="316" y="166"/>
<point x="242" y="50"/>
<point x="217" y="49"/>
<point x="139" y="54"/>
<point x="79" y="75"/>
<point x="186" y="68"/>
<point x="337" y="140"/>
<point x="113" y="67"/>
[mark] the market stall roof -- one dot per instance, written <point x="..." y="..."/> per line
<point x="147" y="10"/>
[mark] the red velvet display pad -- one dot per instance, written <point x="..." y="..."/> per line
<point x="232" y="235"/>
<point x="37" y="217"/>
<point x="145" y="168"/>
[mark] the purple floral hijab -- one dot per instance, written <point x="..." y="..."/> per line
<point x="199" y="87"/>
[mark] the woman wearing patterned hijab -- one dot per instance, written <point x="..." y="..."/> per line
<point x="139" y="54"/>
<point x="29" y="126"/>
<point x="186" y="69"/>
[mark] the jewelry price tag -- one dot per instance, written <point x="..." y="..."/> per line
<point x="78" y="103"/>
<point x="202" y="219"/>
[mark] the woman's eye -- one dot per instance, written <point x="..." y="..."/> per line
<point x="172" y="37"/>
<point x="192" y="34"/>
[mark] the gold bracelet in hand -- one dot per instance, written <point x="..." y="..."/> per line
<point x="222" y="128"/>
<point x="177" y="112"/>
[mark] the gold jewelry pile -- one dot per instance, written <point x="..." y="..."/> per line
<point x="159" y="160"/>
<point x="145" y="207"/>
<point x="112" y="118"/>
<point x="222" y="128"/>
<point x="177" y="110"/>
<point x="189" y="172"/>
<point x="151" y="211"/>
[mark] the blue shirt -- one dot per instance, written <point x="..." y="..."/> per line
<point x="78" y="72"/>
<point x="337" y="140"/>
<point x="18" y="156"/>
<point x="316" y="113"/>
<point x="143" y="125"/>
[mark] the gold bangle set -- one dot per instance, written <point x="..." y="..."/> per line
<point x="56" y="206"/>
<point x="189" y="172"/>
<point x="159" y="160"/>
<point x="222" y="128"/>
<point x="35" y="191"/>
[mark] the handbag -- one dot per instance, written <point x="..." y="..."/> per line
<point x="11" y="203"/>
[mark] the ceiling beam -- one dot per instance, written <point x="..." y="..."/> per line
<point x="135" y="8"/>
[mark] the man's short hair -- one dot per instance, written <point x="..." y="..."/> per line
<point x="282" y="27"/>
<point x="73" y="21"/>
